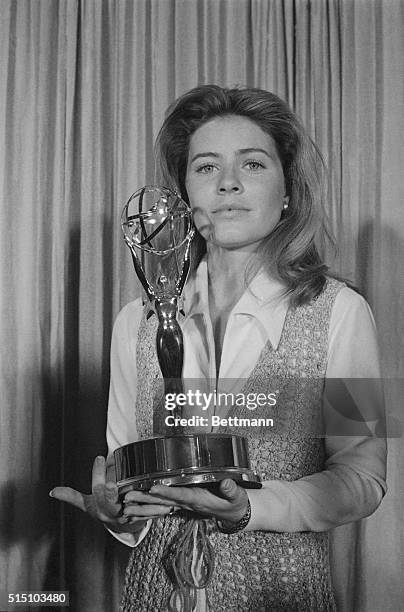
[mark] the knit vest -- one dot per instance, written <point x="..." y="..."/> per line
<point x="254" y="570"/>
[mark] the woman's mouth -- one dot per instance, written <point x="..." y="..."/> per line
<point x="229" y="210"/>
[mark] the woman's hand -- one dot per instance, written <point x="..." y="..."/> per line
<point x="230" y="504"/>
<point x="103" y="504"/>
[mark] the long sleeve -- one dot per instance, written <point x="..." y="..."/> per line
<point x="353" y="481"/>
<point x="121" y="424"/>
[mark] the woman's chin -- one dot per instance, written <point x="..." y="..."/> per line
<point x="231" y="235"/>
<point x="232" y="243"/>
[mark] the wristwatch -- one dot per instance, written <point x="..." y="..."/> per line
<point x="231" y="527"/>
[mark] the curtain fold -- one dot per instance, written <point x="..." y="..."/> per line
<point x="85" y="84"/>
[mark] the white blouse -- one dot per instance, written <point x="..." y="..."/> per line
<point x="353" y="481"/>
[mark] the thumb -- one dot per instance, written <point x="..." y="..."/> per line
<point x="71" y="496"/>
<point x="229" y="489"/>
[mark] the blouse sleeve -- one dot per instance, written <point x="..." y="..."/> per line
<point x="353" y="482"/>
<point x="121" y="423"/>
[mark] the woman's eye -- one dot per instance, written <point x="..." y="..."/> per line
<point x="205" y="169"/>
<point x="254" y="165"/>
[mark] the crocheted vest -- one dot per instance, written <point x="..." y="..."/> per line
<point x="255" y="570"/>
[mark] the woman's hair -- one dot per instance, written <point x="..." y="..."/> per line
<point x="289" y="250"/>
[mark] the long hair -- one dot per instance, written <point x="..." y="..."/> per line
<point x="290" y="250"/>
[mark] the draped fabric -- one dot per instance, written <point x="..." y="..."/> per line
<point x="84" y="88"/>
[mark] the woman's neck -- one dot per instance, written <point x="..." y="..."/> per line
<point x="227" y="273"/>
<point x="226" y="284"/>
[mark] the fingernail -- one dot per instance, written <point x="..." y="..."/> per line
<point x="123" y="519"/>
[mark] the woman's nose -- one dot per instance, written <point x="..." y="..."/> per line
<point x="229" y="182"/>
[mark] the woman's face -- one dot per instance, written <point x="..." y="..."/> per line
<point x="235" y="182"/>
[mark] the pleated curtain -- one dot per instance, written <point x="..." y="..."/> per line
<point x="84" y="85"/>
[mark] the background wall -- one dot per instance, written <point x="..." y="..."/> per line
<point x="84" y="87"/>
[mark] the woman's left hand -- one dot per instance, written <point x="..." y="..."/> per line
<point x="230" y="504"/>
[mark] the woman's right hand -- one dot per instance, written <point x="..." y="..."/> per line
<point x="103" y="504"/>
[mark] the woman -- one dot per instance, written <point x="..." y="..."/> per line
<point x="262" y="314"/>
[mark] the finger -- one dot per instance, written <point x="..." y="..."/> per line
<point x="98" y="475"/>
<point x="188" y="498"/>
<point x="145" y="510"/>
<point x="133" y="520"/>
<point x="181" y="495"/>
<point x="229" y="489"/>
<point x="144" y="498"/>
<point x="71" y="496"/>
<point x="98" y="488"/>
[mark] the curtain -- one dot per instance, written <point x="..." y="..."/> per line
<point x="84" y="88"/>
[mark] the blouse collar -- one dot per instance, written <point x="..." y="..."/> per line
<point x="264" y="299"/>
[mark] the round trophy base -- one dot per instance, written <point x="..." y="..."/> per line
<point x="184" y="460"/>
<point x="245" y="478"/>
